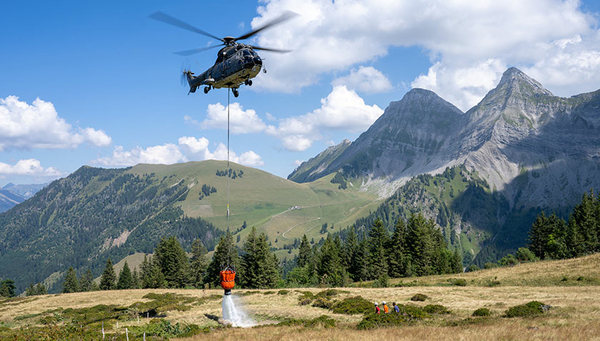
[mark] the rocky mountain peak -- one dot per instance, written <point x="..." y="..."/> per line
<point x="515" y="81"/>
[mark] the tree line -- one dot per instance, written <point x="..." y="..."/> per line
<point x="551" y="237"/>
<point x="415" y="248"/>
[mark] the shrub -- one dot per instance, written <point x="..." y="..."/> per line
<point x="323" y="320"/>
<point x="330" y="293"/>
<point x="436" y="309"/>
<point x="268" y="292"/>
<point x="533" y="308"/>
<point x="525" y="255"/>
<point x="490" y="265"/>
<point x="482" y="312"/>
<point x="508" y="260"/>
<point x="460" y="282"/>
<point x="492" y="283"/>
<point x="321" y="302"/>
<point x="305" y="301"/>
<point x="306" y="295"/>
<point x="473" y="267"/>
<point x="283" y="292"/>
<point x="353" y="305"/>
<point x="407" y="314"/>
<point x="419" y="298"/>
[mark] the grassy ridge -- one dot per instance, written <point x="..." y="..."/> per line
<point x="283" y="209"/>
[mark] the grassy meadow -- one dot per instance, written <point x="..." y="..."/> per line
<point x="570" y="287"/>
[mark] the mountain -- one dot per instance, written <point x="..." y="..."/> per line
<point x="11" y="194"/>
<point x="8" y="200"/>
<point x="538" y="151"/>
<point x="95" y="214"/>
<point x="26" y="191"/>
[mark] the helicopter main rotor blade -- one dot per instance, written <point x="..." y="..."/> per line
<point x="269" y="49"/>
<point x="284" y="17"/>
<point x="194" y="51"/>
<point x="167" y="19"/>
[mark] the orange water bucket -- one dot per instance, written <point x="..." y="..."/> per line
<point x="227" y="280"/>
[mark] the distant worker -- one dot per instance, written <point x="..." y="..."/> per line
<point x="396" y="308"/>
<point x="385" y="308"/>
<point x="377" y="311"/>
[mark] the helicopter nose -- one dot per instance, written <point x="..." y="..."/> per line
<point x="257" y="61"/>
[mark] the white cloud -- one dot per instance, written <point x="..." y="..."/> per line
<point x="189" y="149"/>
<point x="39" y="126"/>
<point x="28" y="167"/>
<point x="240" y="122"/>
<point x="342" y="109"/>
<point x="366" y="79"/>
<point x="554" y="40"/>
<point x="163" y="154"/>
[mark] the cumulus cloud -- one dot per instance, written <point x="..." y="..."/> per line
<point x="39" y="126"/>
<point x="342" y="109"/>
<point x="188" y="149"/>
<point x="28" y="167"/>
<point x="240" y="121"/>
<point x="163" y="154"/>
<point x="553" y="40"/>
<point x="366" y="79"/>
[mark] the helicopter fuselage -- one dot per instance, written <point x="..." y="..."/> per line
<point x="235" y="65"/>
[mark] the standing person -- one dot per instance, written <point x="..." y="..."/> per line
<point x="396" y="308"/>
<point x="377" y="311"/>
<point x="385" y="308"/>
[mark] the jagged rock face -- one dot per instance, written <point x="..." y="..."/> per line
<point x="533" y="146"/>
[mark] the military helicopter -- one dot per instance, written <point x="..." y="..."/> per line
<point x="236" y="63"/>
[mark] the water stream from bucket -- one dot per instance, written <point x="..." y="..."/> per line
<point x="234" y="312"/>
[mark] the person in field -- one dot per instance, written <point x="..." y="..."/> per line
<point x="396" y="308"/>
<point x="377" y="310"/>
<point x="385" y="308"/>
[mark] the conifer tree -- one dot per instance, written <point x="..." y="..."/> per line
<point x="349" y="249"/>
<point x="146" y="273"/>
<point x="7" y="288"/>
<point x="173" y="262"/>
<point x="226" y="254"/>
<point x="30" y="291"/>
<point x="586" y="220"/>
<point x="70" y="284"/>
<point x="85" y="282"/>
<point x="125" y="278"/>
<point x="305" y="252"/>
<point x="329" y="263"/>
<point x="108" y="278"/>
<point x="397" y="257"/>
<point x="40" y="289"/>
<point x="198" y="263"/>
<point x="378" y="255"/>
<point x="260" y="267"/>
<point x="135" y="277"/>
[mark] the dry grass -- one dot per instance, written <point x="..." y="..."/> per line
<point x="575" y="314"/>
<point x="544" y="273"/>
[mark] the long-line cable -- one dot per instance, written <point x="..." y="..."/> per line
<point x="228" y="168"/>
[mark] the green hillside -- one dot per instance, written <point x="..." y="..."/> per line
<point x="283" y="209"/>
<point x="94" y="214"/>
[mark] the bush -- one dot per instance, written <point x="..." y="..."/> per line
<point x="473" y="267"/>
<point x="283" y="292"/>
<point x="305" y="301"/>
<point x="321" y="302"/>
<point x="492" y="283"/>
<point x="353" y="305"/>
<point x="508" y="260"/>
<point x="525" y="255"/>
<point x="407" y="314"/>
<point x="330" y="293"/>
<point x="419" y="298"/>
<point x="436" y="309"/>
<point x="323" y="320"/>
<point x="533" y="308"/>
<point x="460" y="282"/>
<point x="482" y="312"/>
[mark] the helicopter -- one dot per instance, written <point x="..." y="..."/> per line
<point x="236" y="63"/>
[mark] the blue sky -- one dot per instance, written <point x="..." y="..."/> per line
<point x="96" y="83"/>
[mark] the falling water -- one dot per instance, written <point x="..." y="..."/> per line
<point x="234" y="312"/>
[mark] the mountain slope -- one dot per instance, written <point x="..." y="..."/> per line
<point x="537" y="150"/>
<point x="8" y="200"/>
<point x="94" y="214"/>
